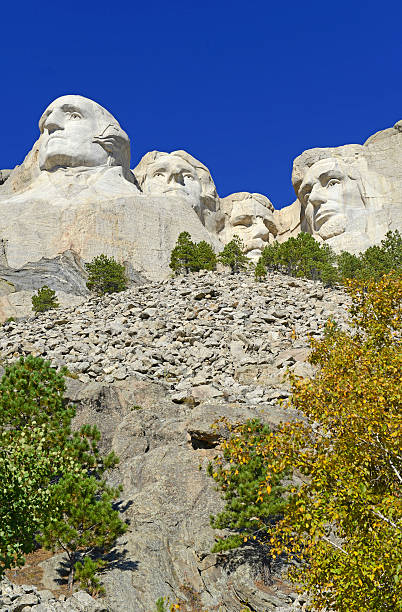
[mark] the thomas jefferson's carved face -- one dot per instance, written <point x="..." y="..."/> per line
<point x="68" y="127"/>
<point x="252" y="222"/>
<point x="172" y="176"/>
<point x="327" y="193"/>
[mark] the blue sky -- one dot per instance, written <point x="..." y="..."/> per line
<point x="243" y="86"/>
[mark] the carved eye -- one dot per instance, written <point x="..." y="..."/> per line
<point x="332" y="182"/>
<point x="158" y="174"/>
<point x="188" y="176"/>
<point x="75" y="116"/>
<point x="245" y="220"/>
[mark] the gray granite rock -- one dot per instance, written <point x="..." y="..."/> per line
<point x="154" y="385"/>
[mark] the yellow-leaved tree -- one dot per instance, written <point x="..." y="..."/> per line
<point x="343" y="524"/>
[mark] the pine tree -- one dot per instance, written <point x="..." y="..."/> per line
<point x="302" y="256"/>
<point x="205" y="258"/>
<point x="260" y="271"/>
<point x="52" y="487"/>
<point x="250" y="508"/>
<point x="105" y="275"/>
<point x="349" y="265"/>
<point x="233" y="255"/>
<point x="31" y="395"/>
<point x="182" y="258"/>
<point x="44" y="300"/>
<point x="84" y="522"/>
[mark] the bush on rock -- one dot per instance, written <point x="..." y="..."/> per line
<point x="343" y="523"/>
<point x="44" y="300"/>
<point x="106" y="275"/>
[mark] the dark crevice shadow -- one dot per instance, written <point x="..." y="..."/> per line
<point x="263" y="566"/>
<point x="115" y="559"/>
<point x="122" y="505"/>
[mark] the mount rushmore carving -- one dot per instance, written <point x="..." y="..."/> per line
<point x="75" y="194"/>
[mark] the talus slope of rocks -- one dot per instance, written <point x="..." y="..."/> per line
<point x="153" y="368"/>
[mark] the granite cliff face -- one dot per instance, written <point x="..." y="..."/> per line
<point x="75" y="197"/>
<point x="185" y="351"/>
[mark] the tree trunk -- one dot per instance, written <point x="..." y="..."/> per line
<point x="71" y="574"/>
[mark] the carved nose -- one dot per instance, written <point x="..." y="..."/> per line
<point x="260" y="230"/>
<point x="176" y="177"/>
<point x="317" y="196"/>
<point x="53" y="123"/>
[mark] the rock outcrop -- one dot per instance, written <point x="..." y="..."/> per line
<point x="24" y="598"/>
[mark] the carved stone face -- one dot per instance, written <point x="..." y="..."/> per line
<point x="329" y="196"/>
<point x="68" y="127"/>
<point x="172" y="176"/>
<point x="252" y="222"/>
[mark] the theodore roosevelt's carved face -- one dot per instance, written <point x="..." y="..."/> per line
<point x="249" y="216"/>
<point x="69" y="127"/>
<point x="327" y="193"/>
<point x="172" y="176"/>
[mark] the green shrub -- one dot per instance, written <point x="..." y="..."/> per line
<point x="376" y="261"/>
<point x="188" y="256"/>
<point x="182" y="256"/>
<point x="9" y="320"/>
<point x="260" y="271"/>
<point x="105" y="275"/>
<point x="302" y="256"/>
<point x="249" y="509"/>
<point x="85" y="574"/>
<point x="44" y="300"/>
<point x="233" y="255"/>
<point x="205" y="258"/>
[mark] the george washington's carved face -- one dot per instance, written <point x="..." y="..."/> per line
<point x="327" y="194"/>
<point x="69" y="127"/>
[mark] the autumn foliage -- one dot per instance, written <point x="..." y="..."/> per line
<point x="343" y="523"/>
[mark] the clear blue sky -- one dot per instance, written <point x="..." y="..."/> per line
<point x="243" y="86"/>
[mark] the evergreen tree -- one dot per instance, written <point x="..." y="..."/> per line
<point x="270" y="256"/>
<point x="250" y="508"/>
<point x="304" y="257"/>
<point x="44" y="300"/>
<point x="379" y="260"/>
<point x="205" y="258"/>
<point x="83" y="523"/>
<point x="182" y="258"/>
<point x="260" y="271"/>
<point x="106" y="275"/>
<point x="376" y="261"/>
<point x="233" y="255"/>
<point x="31" y="396"/>
<point x="349" y="265"/>
<point x="188" y="256"/>
<point x="52" y="476"/>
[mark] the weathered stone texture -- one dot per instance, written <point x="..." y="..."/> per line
<point x="155" y="366"/>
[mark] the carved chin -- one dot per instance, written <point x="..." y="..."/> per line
<point x="333" y="227"/>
